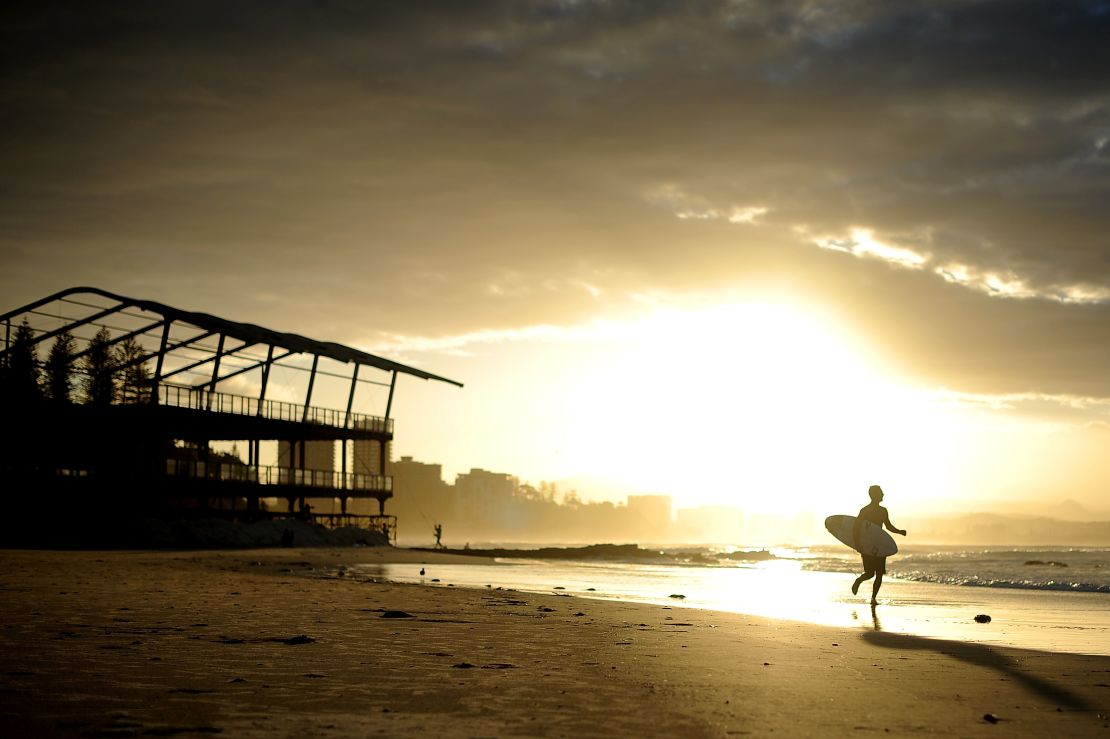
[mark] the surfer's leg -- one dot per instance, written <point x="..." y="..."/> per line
<point x="880" y="570"/>
<point x="865" y="576"/>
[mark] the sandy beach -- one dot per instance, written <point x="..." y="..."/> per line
<point x="262" y="643"/>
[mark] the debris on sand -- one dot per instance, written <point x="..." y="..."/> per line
<point x="982" y="618"/>
<point x="301" y="639"/>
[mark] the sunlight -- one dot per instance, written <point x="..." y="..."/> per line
<point x="756" y="404"/>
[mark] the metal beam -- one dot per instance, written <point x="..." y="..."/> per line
<point x="311" y="382"/>
<point x="219" y="353"/>
<point x="382" y="444"/>
<point x="389" y="401"/>
<point x="157" y="379"/>
<point x="241" y="370"/>
<point x="215" y="372"/>
<point x="351" y="400"/>
<point x="125" y="337"/>
<point x="75" y="324"/>
<point x="265" y="377"/>
<point x="178" y="345"/>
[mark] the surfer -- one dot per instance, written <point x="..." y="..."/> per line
<point x="873" y="566"/>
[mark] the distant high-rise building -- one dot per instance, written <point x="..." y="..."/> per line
<point x="484" y="496"/>
<point x="368" y="458"/>
<point x="416" y="478"/>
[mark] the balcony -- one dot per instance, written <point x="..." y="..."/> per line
<point x="180" y="396"/>
<point x="329" y="482"/>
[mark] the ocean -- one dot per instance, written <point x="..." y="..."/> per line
<point x="1053" y="599"/>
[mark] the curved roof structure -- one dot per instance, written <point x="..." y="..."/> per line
<point x="248" y="333"/>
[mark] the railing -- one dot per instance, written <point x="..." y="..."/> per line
<point x="180" y="396"/>
<point x="273" y="475"/>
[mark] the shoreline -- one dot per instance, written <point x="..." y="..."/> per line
<point x="1047" y="620"/>
<point x="241" y="643"/>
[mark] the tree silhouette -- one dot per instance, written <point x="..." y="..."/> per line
<point x="22" y="380"/>
<point x="59" y="368"/>
<point x="134" y="381"/>
<point x="100" y="370"/>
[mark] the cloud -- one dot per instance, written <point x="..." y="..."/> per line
<point x="861" y="242"/>
<point x="1091" y="410"/>
<point x="443" y="169"/>
<point x="686" y="206"/>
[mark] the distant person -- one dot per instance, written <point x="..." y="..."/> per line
<point x="873" y="566"/>
<point x="439" y="535"/>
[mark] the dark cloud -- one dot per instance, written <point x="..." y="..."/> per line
<point x="440" y="167"/>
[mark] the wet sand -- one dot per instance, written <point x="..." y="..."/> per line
<point x="116" y="644"/>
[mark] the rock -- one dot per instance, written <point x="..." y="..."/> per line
<point x="397" y="614"/>
<point x="677" y="596"/>
<point x="990" y="718"/>
<point x="982" y="618"/>
<point x="463" y="666"/>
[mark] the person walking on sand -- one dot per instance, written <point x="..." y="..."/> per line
<point x="873" y="566"/>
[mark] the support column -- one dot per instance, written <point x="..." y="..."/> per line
<point x="265" y="378"/>
<point x="351" y="398"/>
<point x="215" y="373"/>
<point x="311" y="382"/>
<point x="157" y="380"/>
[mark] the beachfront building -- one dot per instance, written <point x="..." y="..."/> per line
<point x="118" y="403"/>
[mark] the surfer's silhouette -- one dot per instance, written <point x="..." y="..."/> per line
<point x="873" y="566"/>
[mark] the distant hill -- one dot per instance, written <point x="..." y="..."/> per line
<point x="993" y="528"/>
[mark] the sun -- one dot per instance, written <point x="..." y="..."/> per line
<point x="763" y="405"/>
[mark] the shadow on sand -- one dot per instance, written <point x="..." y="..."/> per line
<point x="983" y="656"/>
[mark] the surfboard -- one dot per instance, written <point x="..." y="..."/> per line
<point x="872" y="539"/>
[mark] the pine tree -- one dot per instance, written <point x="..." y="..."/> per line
<point x="22" y="369"/>
<point x="134" y="381"/>
<point x="100" y="370"/>
<point x="59" y="368"/>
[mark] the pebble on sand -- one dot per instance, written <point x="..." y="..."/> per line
<point x="982" y="618"/>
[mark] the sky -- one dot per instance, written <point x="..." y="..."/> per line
<point x="751" y="253"/>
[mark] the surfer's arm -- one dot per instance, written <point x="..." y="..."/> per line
<point x="855" y="531"/>
<point x="893" y="528"/>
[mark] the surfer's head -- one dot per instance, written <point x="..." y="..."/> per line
<point x="875" y="492"/>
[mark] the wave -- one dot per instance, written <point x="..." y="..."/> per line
<point x="981" y="582"/>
